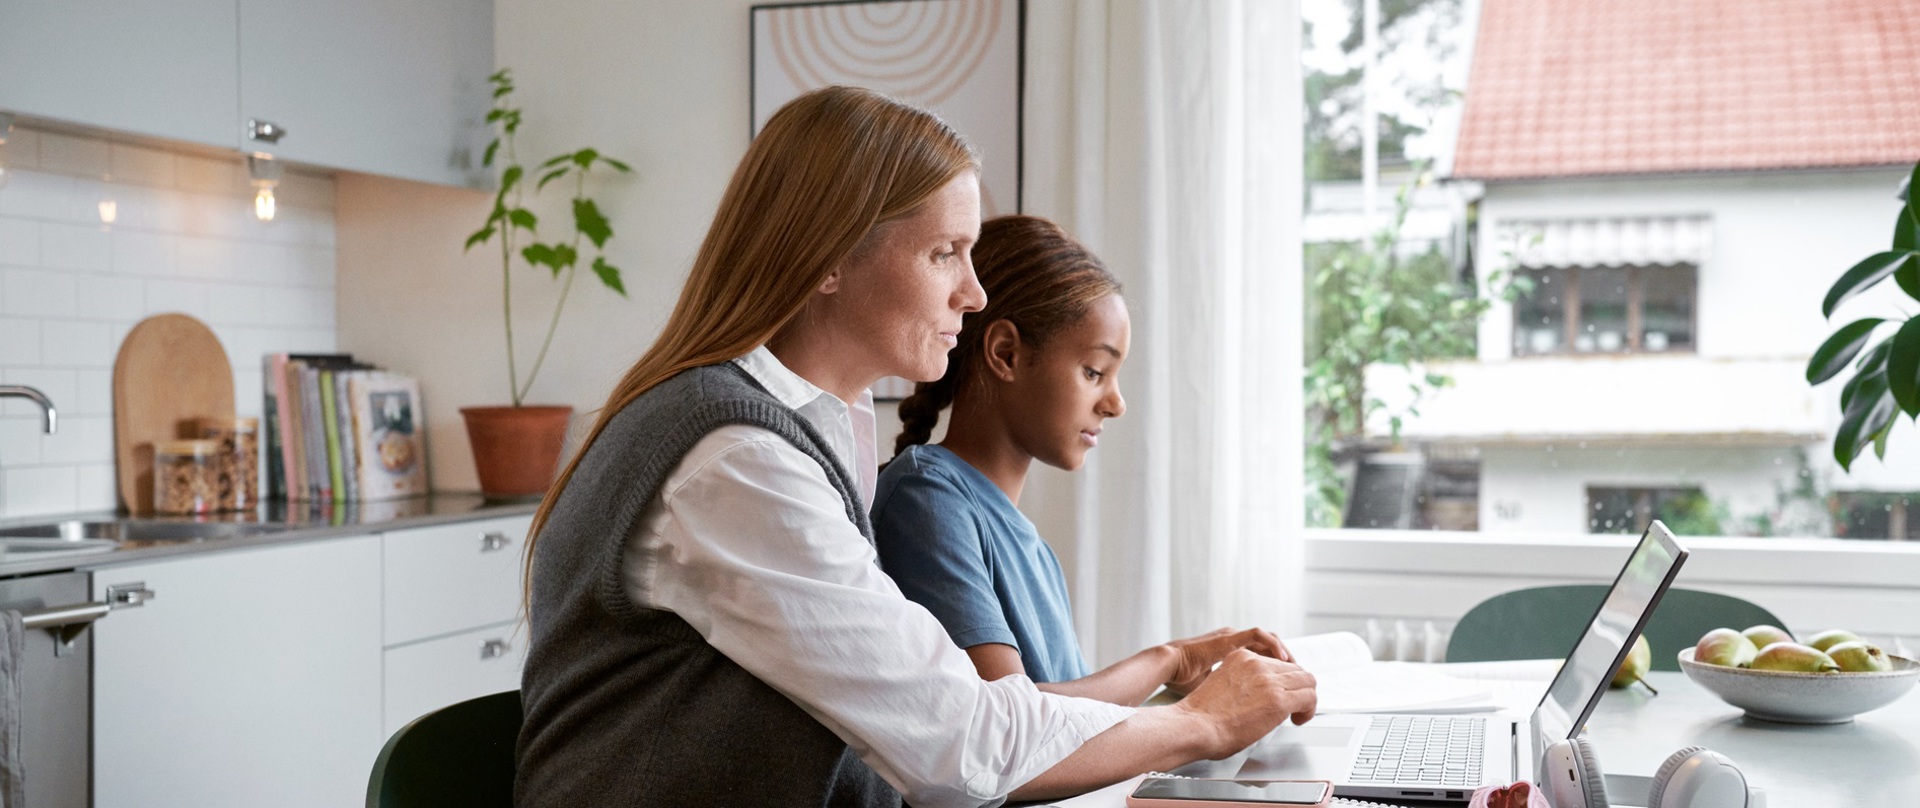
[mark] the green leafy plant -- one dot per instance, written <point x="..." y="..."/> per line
<point x="1373" y="305"/>
<point x="1886" y="378"/>
<point x="517" y="228"/>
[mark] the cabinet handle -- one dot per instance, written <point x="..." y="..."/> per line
<point x="67" y="622"/>
<point x="494" y="649"/>
<point x="127" y="596"/>
<point x="490" y="542"/>
<point x="265" y="131"/>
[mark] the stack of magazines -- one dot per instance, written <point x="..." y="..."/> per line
<point x="338" y="430"/>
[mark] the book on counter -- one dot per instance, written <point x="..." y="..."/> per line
<point x="340" y="430"/>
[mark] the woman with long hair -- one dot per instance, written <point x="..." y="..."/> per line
<point x="1035" y="376"/>
<point x="709" y="624"/>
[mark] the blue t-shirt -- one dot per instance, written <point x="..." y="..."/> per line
<point x="955" y="544"/>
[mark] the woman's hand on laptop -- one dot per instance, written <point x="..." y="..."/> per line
<point x="1249" y="695"/>
<point x="1195" y="657"/>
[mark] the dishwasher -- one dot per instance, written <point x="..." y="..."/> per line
<point x="56" y="721"/>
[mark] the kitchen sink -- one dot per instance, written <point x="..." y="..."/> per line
<point x="123" y="530"/>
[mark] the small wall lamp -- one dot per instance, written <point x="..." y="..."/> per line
<point x="6" y="126"/>
<point x="265" y="172"/>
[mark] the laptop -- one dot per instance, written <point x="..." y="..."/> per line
<point x="1366" y="755"/>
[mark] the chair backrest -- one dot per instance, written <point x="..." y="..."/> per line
<point x="1544" y="622"/>
<point x="461" y="755"/>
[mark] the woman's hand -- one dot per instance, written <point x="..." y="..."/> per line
<point x="1247" y="697"/>
<point x="1195" y="657"/>
<point x="1240" y="703"/>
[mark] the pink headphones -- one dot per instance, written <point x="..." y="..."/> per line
<point x="1694" y="777"/>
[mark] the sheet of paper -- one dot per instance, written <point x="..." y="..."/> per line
<point x="1324" y="652"/>
<point x="1351" y="682"/>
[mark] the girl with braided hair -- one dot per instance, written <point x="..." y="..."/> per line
<point x="1034" y="376"/>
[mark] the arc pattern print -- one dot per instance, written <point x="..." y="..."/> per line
<point x="959" y="58"/>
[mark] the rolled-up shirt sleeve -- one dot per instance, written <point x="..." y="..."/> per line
<point x="751" y="545"/>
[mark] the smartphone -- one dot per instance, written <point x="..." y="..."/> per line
<point x="1182" y="792"/>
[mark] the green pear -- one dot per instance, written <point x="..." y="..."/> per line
<point x="1763" y="636"/>
<point x="1726" y="647"/>
<point x="1794" y="657"/>
<point x="1855" y="657"/>
<point x="1832" y="637"/>
<point x="1634" y="667"/>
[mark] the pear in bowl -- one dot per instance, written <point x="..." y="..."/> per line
<point x="1800" y="696"/>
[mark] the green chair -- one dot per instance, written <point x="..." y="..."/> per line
<point x="1544" y="622"/>
<point x="461" y="755"/>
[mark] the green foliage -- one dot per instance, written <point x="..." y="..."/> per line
<point x="1693" y="514"/>
<point x="1333" y="99"/>
<point x="1370" y="305"/>
<point x="510" y="220"/>
<point x="1802" y="508"/>
<point x="1886" y="380"/>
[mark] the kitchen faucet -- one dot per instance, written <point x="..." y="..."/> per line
<point x="35" y="396"/>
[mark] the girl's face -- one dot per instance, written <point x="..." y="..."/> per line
<point x="1070" y="386"/>
<point x="899" y="298"/>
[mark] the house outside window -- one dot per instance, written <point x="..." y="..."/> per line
<point x="1648" y="271"/>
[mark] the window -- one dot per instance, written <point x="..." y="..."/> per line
<point x="1575" y="205"/>
<point x="1877" y="515"/>
<point x="1605" y="310"/>
<point x="1628" y="510"/>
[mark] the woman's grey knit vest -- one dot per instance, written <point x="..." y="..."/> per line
<point x="629" y="706"/>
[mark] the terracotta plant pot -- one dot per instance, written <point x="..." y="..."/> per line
<point x="516" y="450"/>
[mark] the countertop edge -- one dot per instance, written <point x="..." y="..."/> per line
<point x="65" y="562"/>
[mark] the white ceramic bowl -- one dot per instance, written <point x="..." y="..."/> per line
<point x="1804" y="698"/>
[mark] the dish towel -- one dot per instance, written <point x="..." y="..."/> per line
<point x="13" y="637"/>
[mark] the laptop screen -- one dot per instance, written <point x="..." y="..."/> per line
<point x="1577" y="689"/>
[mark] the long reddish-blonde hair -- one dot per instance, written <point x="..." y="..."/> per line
<point x="828" y="168"/>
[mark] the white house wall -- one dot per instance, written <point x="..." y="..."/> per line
<point x="1543" y="489"/>
<point x="1780" y="239"/>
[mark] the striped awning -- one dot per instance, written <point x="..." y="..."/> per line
<point x="1604" y="242"/>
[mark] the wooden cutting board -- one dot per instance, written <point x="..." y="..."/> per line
<point x="171" y="372"/>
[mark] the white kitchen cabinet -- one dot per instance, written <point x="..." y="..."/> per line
<point x="393" y="87"/>
<point x="166" y="68"/>
<point x="425" y="676"/>
<point x="451" y="578"/>
<point x="452" y="628"/>
<point x="253" y="677"/>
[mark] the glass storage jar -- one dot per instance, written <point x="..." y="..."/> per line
<point x="236" y="461"/>
<point x="184" y="477"/>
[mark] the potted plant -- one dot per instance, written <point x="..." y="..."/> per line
<point x="1886" y="379"/>
<point x="516" y="447"/>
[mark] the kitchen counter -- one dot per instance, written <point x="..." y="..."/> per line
<point x="295" y="522"/>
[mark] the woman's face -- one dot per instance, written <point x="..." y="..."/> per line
<point x="899" y="298"/>
<point x="1070" y="387"/>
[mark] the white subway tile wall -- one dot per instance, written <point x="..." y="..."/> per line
<point x="182" y="239"/>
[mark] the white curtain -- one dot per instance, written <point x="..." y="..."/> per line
<point x="1166" y="135"/>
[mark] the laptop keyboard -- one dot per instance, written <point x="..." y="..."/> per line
<point x="1422" y="750"/>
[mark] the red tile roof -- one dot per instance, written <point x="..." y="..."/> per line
<point x="1596" y="87"/>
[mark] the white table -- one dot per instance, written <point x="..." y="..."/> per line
<point x="1872" y="761"/>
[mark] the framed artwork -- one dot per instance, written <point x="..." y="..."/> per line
<point x="961" y="59"/>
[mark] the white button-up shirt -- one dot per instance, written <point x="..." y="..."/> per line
<point x="749" y="542"/>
